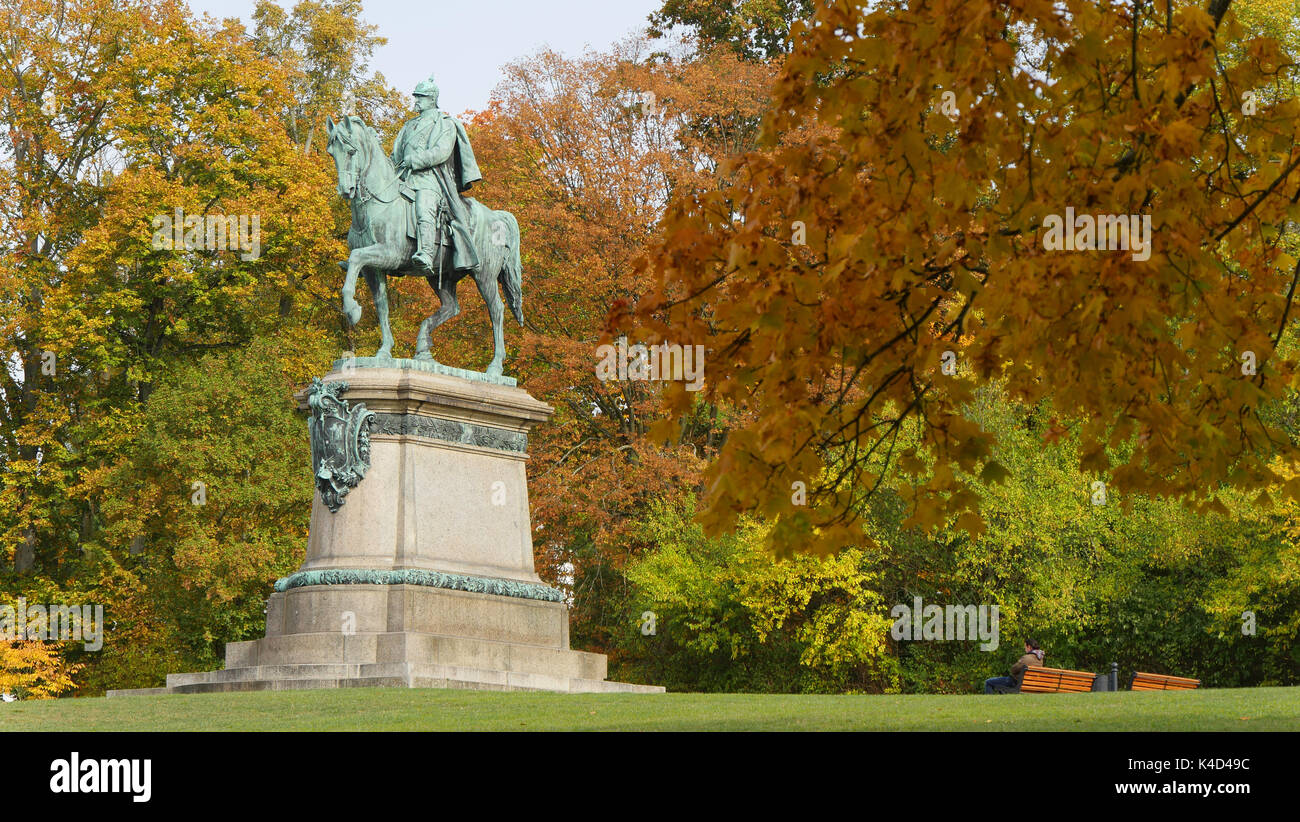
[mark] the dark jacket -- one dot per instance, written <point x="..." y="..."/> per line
<point x="1033" y="659"/>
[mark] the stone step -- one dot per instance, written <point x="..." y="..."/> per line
<point x="303" y="677"/>
<point x="305" y="671"/>
<point x="335" y="648"/>
<point x="137" y="692"/>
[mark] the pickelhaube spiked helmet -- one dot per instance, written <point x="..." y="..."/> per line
<point x="427" y="88"/>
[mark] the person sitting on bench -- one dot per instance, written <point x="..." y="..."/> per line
<point x="1011" y="684"/>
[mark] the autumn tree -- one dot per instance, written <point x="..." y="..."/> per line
<point x="893" y="245"/>
<point x="134" y="350"/>
<point x="327" y="50"/>
<point x="33" y="670"/>
<point x="753" y="29"/>
<point x="586" y="153"/>
<point x="1149" y="585"/>
<point x="726" y="618"/>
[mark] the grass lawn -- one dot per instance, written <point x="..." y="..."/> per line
<point x="400" y="709"/>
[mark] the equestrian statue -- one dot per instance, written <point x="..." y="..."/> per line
<point x="409" y="217"/>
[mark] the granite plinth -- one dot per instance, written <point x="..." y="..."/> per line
<point x="424" y="576"/>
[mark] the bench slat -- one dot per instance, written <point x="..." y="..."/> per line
<point x="1162" y="682"/>
<point x="1072" y="686"/>
<point x="1032" y="689"/>
<point x="1187" y="679"/>
<point x="1040" y="680"/>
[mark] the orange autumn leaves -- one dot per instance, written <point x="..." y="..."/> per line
<point x="586" y="153"/>
<point x="877" y="229"/>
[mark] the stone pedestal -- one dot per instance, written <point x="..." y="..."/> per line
<point x="423" y="576"/>
<point x="445" y="490"/>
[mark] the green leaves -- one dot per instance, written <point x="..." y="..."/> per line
<point x="731" y="619"/>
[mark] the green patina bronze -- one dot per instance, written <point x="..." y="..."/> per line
<point x="431" y="579"/>
<point x="465" y="433"/>
<point x="340" y="441"/>
<point x="410" y="218"/>
<point x="346" y="364"/>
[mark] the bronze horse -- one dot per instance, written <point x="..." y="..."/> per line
<point x="381" y="242"/>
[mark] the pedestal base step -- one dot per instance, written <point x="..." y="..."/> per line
<point x="416" y="649"/>
<point x="378" y="675"/>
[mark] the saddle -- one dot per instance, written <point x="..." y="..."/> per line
<point x="412" y="225"/>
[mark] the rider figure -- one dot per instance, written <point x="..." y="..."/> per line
<point x="432" y="154"/>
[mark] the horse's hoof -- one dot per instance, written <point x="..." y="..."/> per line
<point x="423" y="356"/>
<point x="352" y="310"/>
<point x="385" y="353"/>
<point x="494" y="370"/>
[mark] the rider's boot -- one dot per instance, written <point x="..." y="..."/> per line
<point x="426" y="242"/>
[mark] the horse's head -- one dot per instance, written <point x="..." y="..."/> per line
<point x="349" y="146"/>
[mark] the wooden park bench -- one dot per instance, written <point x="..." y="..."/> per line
<point x="1160" y="682"/>
<point x="1055" y="681"/>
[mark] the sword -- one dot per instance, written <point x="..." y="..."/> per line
<point x="438" y="244"/>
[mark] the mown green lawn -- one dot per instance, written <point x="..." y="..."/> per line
<point x="369" y="709"/>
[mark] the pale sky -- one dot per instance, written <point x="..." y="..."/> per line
<point x="468" y="66"/>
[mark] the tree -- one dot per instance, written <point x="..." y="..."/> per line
<point x="132" y="351"/>
<point x="328" y="49"/>
<point x="727" y="619"/>
<point x="586" y="152"/>
<point x="900" y="249"/>
<point x="1148" y="585"/>
<point x="214" y="496"/>
<point x="33" y="670"/>
<point x="754" y="29"/>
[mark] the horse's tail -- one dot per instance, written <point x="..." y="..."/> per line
<point x="512" y="273"/>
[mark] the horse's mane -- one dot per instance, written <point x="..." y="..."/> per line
<point x="353" y="127"/>
<point x="360" y="124"/>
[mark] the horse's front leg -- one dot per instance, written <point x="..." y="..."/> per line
<point x="376" y="256"/>
<point x="351" y="308"/>
<point x="378" y="282"/>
